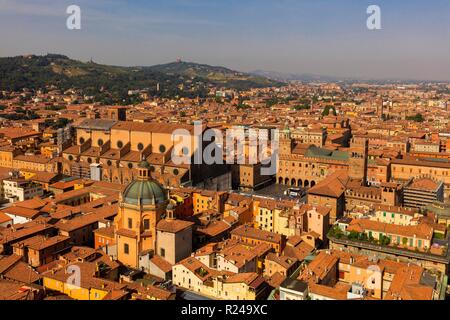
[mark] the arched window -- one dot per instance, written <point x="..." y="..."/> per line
<point x="140" y="147"/>
<point x="119" y="144"/>
<point x="81" y="140"/>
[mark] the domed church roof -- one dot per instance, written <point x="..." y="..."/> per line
<point x="144" y="193"/>
<point x="144" y="190"/>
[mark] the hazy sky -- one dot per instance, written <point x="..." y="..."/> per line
<point x="327" y="37"/>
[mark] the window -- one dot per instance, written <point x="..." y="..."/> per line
<point x="119" y="144"/>
<point x="130" y="165"/>
<point x="162" y="148"/>
<point x="176" y="172"/>
<point x="140" y="147"/>
<point x="81" y="140"/>
<point x="162" y="252"/>
<point x="100" y="142"/>
<point x="130" y="223"/>
<point x="126" y="248"/>
<point x="146" y="224"/>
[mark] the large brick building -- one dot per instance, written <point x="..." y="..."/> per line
<point x="111" y="150"/>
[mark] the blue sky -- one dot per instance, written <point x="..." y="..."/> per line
<point x="327" y="37"/>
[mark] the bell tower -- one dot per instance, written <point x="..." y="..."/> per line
<point x="286" y="142"/>
<point x="358" y="159"/>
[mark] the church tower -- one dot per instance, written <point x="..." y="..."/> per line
<point x="285" y="142"/>
<point x="142" y="205"/>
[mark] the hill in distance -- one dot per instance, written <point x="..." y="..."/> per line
<point x="36" y="72"/>
<point x="213" y="73"/>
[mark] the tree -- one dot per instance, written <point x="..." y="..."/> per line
<point x="327" y="110"/>
<point x="336" y="232"/>
<point x="385" y="241"/>
<point x="404" y="241"/>
<point x="61" y="123"/>
<point x="271" y="102"/>
<point x="363" y="237"/>
<point x="353" y="235"/>
<point x="242" y="106"/>
<point x="301" y="107"/>
<point x="417" y="118"/>
<point x="55" y="108"/>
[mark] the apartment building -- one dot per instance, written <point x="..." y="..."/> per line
<point x="19" y="189"/>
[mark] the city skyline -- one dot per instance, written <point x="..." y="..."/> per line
<point x="258" y="154"/>
<point x="324" y="38"/>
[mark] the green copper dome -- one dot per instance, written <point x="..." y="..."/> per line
<point x="147" y="192"/>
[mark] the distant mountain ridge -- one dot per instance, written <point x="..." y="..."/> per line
<point x="215" y="74"/>
<point x="34" y="72"/>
